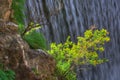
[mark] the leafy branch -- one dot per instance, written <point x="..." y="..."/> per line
<point x="84" y="52"/>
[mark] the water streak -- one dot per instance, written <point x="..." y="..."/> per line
<point x="73" y="17"/>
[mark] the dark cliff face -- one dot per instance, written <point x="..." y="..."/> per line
<point x="15" y="53"/>
<point x="73" y="19"/>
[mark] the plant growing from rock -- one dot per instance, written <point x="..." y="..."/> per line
<point x="35" y="39"/>
<point x="6" y="74"/>
<point x="18" y="7"/>
<point x="84" y="52"/>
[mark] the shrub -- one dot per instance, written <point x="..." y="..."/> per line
<point x="84" y="52"/>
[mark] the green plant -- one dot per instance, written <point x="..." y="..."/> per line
<point x="6" y="74"/>
<point x="35" y="39"/>
<point x="18" y="7"/>
<point x="84" y="52"/>
<point x="18" y="15"/>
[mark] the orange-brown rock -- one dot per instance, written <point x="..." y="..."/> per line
<point x="5" y="9"/>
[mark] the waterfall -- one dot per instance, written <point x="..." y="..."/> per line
<point x="73" y="17"/>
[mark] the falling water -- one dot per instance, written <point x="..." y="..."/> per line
<point x="72" y="17"/>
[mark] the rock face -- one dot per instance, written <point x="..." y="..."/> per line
<point x="15" y="54"/>
<point x="5" y="8"/>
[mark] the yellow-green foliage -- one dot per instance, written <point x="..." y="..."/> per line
<point x="84" y="52"/>
<point x="88" y="46"/>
